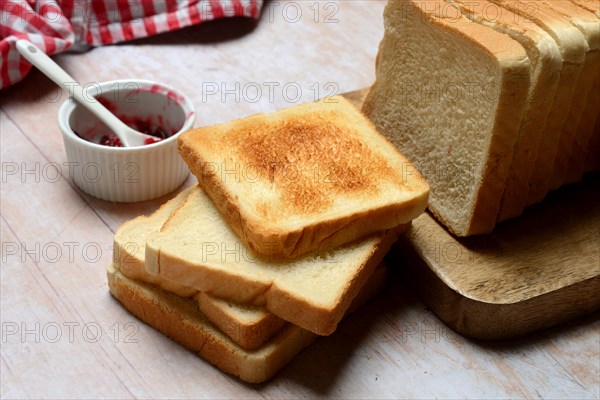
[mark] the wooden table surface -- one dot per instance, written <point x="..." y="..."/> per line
<point x="63" y="336"/>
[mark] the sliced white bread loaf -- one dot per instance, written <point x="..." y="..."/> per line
<point x="573" y="48"/>
<point x="589" y="25"/>
<point x="546" y="63"/>
<point x="249" y="326"/>
<point x="180" y="319"/>
<point x="311" y="177"/>
<point x="196" y="248"/>
<point x="460" y="129"/>
<point x="569" y="37"/>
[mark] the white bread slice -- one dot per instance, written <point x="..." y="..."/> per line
<point x="129" y="246"/>
<point x="430" y="99"/>
<point x="589" y="25"/>
<point x="546" y="63"/>
<point x="573" y="48"/>
<point x="180" y="319"/>
<point x="311" y="177"/>
<point x="196" y="248"/>
<point x="247" y="325"/>
<point x="251" y="326"/>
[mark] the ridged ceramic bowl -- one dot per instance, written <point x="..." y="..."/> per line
<point x="127" y="174"/>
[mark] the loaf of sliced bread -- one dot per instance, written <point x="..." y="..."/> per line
<point x="589" y="25"/>
<point x="312" y="177"/>
<point x="546" y="63"/>
<point x="180" y="319"/>
<point x="459" y="128"/>
<point x="574" y="47"/>
<point x="550" y="145"/>
<point x="196" y="248"/>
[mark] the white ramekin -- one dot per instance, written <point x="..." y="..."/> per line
<point x="135" y="173"/>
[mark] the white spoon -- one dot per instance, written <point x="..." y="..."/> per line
<point x="129" y="137"/>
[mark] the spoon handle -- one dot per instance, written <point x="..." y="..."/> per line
<point x="53" y="71"/>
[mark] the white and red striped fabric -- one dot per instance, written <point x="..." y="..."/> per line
<point x="58" y="25"/>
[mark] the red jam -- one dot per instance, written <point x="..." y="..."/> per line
<point x="111" y="140"/>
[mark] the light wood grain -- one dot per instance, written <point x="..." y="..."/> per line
<point x="393" y="348"/>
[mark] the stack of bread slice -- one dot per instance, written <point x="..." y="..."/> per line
<point x="292" y="215"/>
<point x="522" y="121"/>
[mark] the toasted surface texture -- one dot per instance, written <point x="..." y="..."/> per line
<point x="546" y="63"/>
<point x="459" y="129"/>
<point x="196" y="248"/>
<point x="180" y="319"/>
<point x="311" y="177"/>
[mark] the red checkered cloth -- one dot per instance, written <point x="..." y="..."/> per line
<point x="57" y="25"/>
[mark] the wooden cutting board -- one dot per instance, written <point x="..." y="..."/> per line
<point x="532" y="272"/>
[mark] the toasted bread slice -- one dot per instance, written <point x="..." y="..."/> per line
<point x="450" y="94"/>
<point x="180" y="319"/>
<point x="129" y="246"/>
<point x="311" y="177"/>
<point x="247" y="325"/>
<point x="196" y="248"/>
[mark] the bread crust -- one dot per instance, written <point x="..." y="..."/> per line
<point x="129" y="259"/>
<point x="180" y="320"/>
<point x="273" y="242"/>
<point x="249" y="335"/>
<point x="129" y="256"/>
